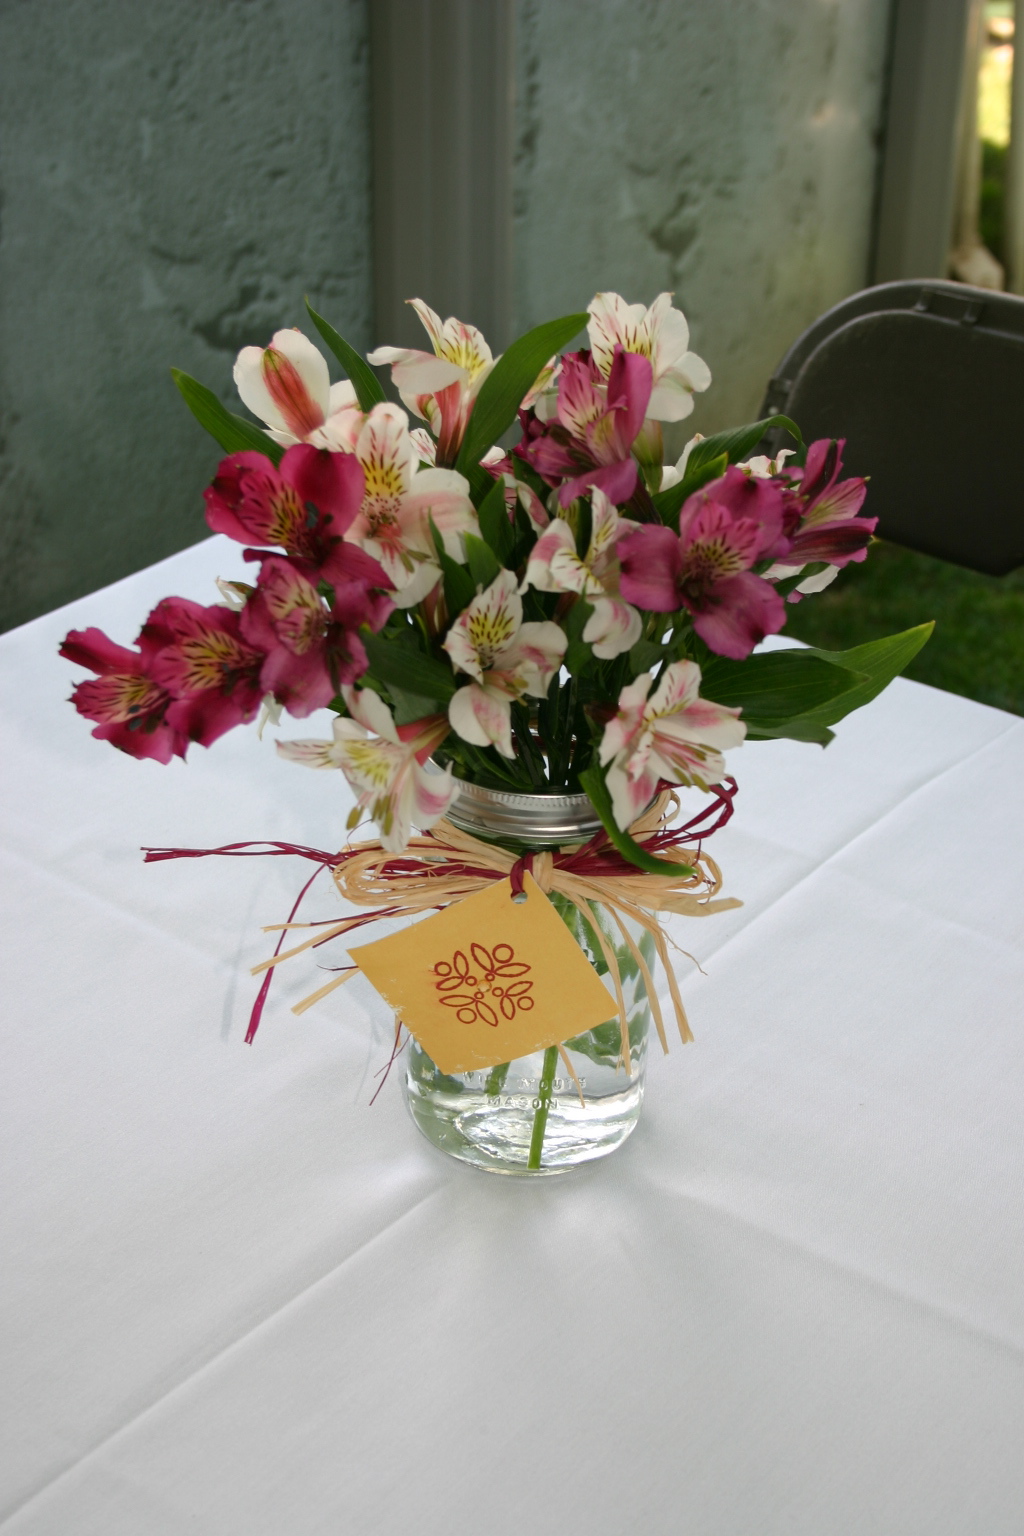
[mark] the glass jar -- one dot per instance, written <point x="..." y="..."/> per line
<point x="526" y="1116"/>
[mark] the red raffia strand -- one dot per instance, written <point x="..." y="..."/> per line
<point x="596" y="858"/>
<point x="396" y="1050"/>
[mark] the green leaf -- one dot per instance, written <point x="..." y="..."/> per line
<point x="575" y="621"/>
<point x="644" y="655"/>
<point x="577" y="657"/>
<point x="481" y="484"/>
<point x="776" y="687"/>
<point x="410" y="706"/>
<point x="592" y="781"/>
<point x="876" y="664"/>
<point x="409" y="669"/>
<point x="495" y="523"/>
<point x="668" y="504"/>
<point x="368" y="388"/>
<point x="234" y="433"/>
<point x="738" y="443"/>
<point x="459" y="586"/>
<point x="712" y="457"/>
<point x="802" y="728"/>
<point x="482" y="561"/>
<point x="512" y="376"/>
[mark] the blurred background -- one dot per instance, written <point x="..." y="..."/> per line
<point x="175" y="177"/>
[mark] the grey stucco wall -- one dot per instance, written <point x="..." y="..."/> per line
<point x="173" y="178"/>
<point x="724" y="150"/>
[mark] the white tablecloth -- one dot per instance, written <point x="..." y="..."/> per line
<point x="238" y="1300"/>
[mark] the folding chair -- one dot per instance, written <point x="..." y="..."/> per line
<point x="925" y="380"/>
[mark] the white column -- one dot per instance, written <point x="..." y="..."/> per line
<point x="917" y="191"/>
<point x="443" y="102"/>
<point x="1013" y="211"/>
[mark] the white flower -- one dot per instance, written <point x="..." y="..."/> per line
<point x="659" y="333"/>
<point x="393" y="523"/>
<point x="506" y="659"/>
<point x="674" y="736"/>
<point x="441" y="386"/>
<point x="762" y="467"/>
<point x="287" y="385"/>
<point x="386" y="769"/>
<point x="555" y="566"/>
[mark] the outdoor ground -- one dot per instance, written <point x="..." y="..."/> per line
<point x="978" y="645"/>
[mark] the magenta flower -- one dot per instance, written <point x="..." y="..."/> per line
<point x="597" y="425"/>
<point x="821" y="518"/>
<point x="724" y="530"/>
<point x="305" y="506"/>
<point x="126" y="700"/>
<point x="309" y="651"/>
<point x="829" y="528"/>
<point x="207" y="666"/>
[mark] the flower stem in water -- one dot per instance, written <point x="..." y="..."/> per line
<point x="540" y="1118"/>
<point x="496" y="1080"/>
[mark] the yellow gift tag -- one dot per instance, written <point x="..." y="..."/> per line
<point x="488" y="979"/>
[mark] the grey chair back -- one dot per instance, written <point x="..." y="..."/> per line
<point x="925" y="380"/>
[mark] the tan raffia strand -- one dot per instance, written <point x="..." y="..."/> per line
<point x="363" y="879"/>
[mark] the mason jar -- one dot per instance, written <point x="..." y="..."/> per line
<point x="532" y="1115"/>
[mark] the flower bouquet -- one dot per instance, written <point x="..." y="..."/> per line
<point x="530" y="653"/>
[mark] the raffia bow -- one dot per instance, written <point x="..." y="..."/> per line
<point x="447" y="865"/>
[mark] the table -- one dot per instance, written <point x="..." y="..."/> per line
<point x="238" y="1299"/>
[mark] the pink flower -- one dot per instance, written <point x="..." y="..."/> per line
<point x="590" y="443"/>
<point x="673" y="737"/>
<point x="306" y="506"/>
<point x="129" y="704"/>
<point x="310" y="650"/>
<point x="724" y="530"/>
<point x="206" y="664"/>
<point x="823" y="514"/>
<point x="287" y="385"/>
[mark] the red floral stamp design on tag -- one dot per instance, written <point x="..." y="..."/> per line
<point x="484" y="984"/>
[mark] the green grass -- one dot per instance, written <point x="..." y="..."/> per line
<point x="978" y="645"/>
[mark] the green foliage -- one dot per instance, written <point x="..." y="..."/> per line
<point x="645" y="655"/>
<point x="233" y="433"/>
<point x="993" y="197"/>
<point x="978" y="646"/>
<point x="777" y="690"/>
<point x="495" y="523"/>
<point x="511" y="378"/>
<point x="395" y="661"/>
<point x="483" y="563"/>
<point x="738" y="443"/>
<point x="711" y="458"/>
<point x="592" y="781"/>
<point x="668" y="504"/>
<point x="879" y="661"/>
<point x="368" y="388"/>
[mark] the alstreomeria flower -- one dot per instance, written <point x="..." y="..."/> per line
<point x="555" y="566"/>
<point x="505" y="657"/>
<point x="399" y="501"/>
<point x="674" y="735"/>
<point x="384" y="769"/>
<point x="287" y="385"/>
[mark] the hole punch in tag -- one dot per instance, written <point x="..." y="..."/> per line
<point x="488" y="979"/>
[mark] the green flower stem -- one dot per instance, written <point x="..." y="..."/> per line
<point x="496" y="1080"/>
<point x="540" y="1118"/>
